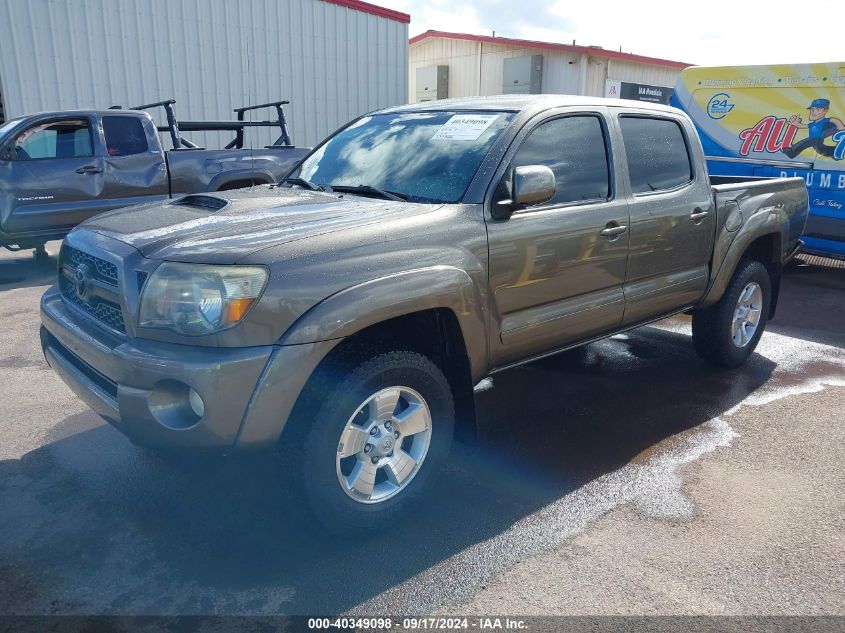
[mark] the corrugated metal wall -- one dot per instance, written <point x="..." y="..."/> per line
<point x="561" y="70"/>
<point x="332" y="62"/>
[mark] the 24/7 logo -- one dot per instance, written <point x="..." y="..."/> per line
<point x="719" y="106"/>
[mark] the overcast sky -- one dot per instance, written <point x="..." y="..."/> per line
<point x="702" y="33"/>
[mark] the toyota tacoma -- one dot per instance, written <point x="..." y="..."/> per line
<point x="345" y="314"/>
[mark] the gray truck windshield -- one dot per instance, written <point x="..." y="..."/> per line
<point x="421" y="156"/>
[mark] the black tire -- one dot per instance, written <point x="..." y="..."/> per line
<point x="711" y="327"/>
<point x="338" y="387"/>
<point x="41" y="253"/>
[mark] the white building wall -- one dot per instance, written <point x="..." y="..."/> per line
<point x="559" y="76"/>
<point x="561" y="69"/>
<point x="333" y="63"/>
<point x="461" y="57"/>
<point x="644" y="73"/>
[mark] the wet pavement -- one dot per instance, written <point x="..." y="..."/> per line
<point x="578" y="457"/>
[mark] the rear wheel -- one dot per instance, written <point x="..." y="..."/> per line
<point x="374" y="438"/>
<point x="727" y="332"/>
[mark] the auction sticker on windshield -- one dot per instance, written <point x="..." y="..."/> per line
<point x="464" y="127"/>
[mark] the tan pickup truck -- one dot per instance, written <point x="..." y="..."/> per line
<point x="345" y="315"/>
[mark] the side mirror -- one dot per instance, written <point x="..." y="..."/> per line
<point x="530" y="184"/>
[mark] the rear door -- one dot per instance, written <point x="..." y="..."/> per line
<point x="54" y="176"/>
<point x="672" y="216"/>
<point x="556" y="271"/>
<point x="134" y="162"/>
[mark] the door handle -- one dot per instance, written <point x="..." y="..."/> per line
<point x="698" y="215"/>
<point x="89" y="169"/>
<point x="613" y="231"/>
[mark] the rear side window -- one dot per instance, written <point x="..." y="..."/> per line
<point x="69" y="138"/>
<point x="658" y="157"/>
<point x="124" y="135"/>
<point x="573" y="148"/>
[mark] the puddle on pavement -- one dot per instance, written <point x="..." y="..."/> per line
<point x="651" y="483"/>
<point x="801" y="366"/>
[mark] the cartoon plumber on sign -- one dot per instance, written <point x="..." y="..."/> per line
<point x="819" y="128"/>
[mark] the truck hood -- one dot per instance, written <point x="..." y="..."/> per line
<point x="191" y="229"/>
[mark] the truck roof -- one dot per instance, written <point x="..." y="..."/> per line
<point x="71" y="113"/>
<point x="519" y="103"/>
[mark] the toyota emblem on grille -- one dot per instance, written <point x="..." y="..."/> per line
<point x="81" y="279"/>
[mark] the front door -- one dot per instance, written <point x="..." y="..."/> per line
<point x="55" y="179"/>
<point x="557" y="269"/>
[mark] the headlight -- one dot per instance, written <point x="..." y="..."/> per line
<point x="199" y="299"/>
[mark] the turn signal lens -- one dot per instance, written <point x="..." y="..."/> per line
<point x="237" y="308"/>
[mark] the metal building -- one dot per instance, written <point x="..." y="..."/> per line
<point x="460" y="65"/>
<point x="333" y="59"/>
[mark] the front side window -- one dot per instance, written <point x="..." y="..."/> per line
<point x="69" y="138"/>
<point x="422" y="156"/>
<point x="657" y="154"/>
<point x="124" y="135"/>
<point x="574" y="148"/>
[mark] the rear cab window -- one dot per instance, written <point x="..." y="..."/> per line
<point x="124" y="136"/>
<point x="657" y="153"/>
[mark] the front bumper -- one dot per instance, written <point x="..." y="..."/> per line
<point x="141" y="386"/>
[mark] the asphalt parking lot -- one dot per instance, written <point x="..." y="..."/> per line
<point x="625" y="477"/>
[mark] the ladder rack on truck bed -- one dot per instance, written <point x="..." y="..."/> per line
<point x="175" y="127"/>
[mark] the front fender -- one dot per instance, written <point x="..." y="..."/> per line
<point x="353" y="309"/>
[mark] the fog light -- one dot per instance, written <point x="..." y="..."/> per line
<point x="197" y="405"/>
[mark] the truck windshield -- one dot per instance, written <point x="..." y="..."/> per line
<point x="419" y="156"/>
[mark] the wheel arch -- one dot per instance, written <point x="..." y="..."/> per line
<point x="435" y="311"/>
<point x="438" y="290"/>
<point x="765" y="246"/>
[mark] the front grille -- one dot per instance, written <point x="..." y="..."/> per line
<point x="102" y="309"/>
<point x="105" y="271"/>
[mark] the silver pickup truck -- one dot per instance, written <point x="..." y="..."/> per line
<point x="346" y="317"/>
<point x="60" y="168"/>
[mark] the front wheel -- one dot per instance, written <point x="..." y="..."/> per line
<point x="376" y="438"/>
<point x="40" y="253"/>
<point x="727" y="332"/>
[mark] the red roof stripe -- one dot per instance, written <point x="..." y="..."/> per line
<point x="374" y="9"/>
<point x="589" y="50"/>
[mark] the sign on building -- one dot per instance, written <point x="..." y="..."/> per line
<point x="615" y="89"/>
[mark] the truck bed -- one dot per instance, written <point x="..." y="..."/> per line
<point x="780" y="202"/>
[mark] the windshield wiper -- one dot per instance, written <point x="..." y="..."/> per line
<point x="304" y="183"/>
<point x="387" y="195"/>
